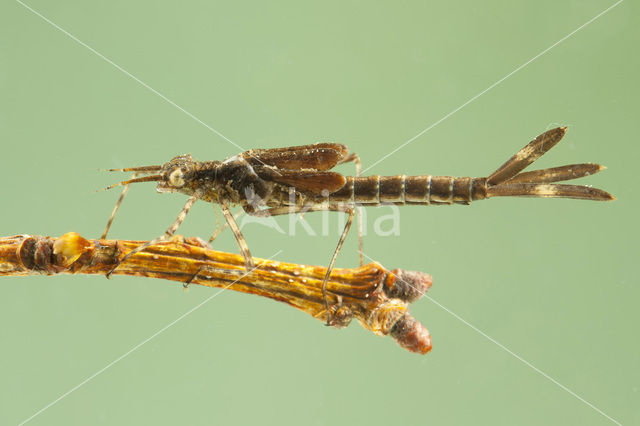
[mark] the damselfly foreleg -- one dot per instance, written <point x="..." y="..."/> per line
<point x="116" y="208"/>
<point x="133" y="179"/>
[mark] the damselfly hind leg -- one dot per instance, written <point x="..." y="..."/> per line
<point x="345" y="231"/>
<point x="353" y="157"/>
<point x="277" y="211"/>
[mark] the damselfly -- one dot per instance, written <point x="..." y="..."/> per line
<point x="271" y="182"/>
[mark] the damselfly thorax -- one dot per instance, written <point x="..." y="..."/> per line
<point x="270" y="182"/>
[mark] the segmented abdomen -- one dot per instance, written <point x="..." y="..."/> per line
<point x="401" y="189"/>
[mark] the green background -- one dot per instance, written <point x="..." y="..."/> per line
<point x="554" y="281"/>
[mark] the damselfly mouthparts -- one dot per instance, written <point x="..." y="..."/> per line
<point x="270" y="182"/>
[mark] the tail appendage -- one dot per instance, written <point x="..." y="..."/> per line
<point x="508" y="181"/>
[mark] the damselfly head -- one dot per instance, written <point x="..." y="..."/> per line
<point x="171" y="176"/>
<point x="176" y="173"/>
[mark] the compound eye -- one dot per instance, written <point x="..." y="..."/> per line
<point x="176" y="178"/>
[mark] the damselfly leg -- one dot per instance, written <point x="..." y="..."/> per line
<point x="116" y="208"/>
<point x="168" y="233"/>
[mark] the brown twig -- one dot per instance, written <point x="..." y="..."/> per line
<point x="376" y="297"/>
